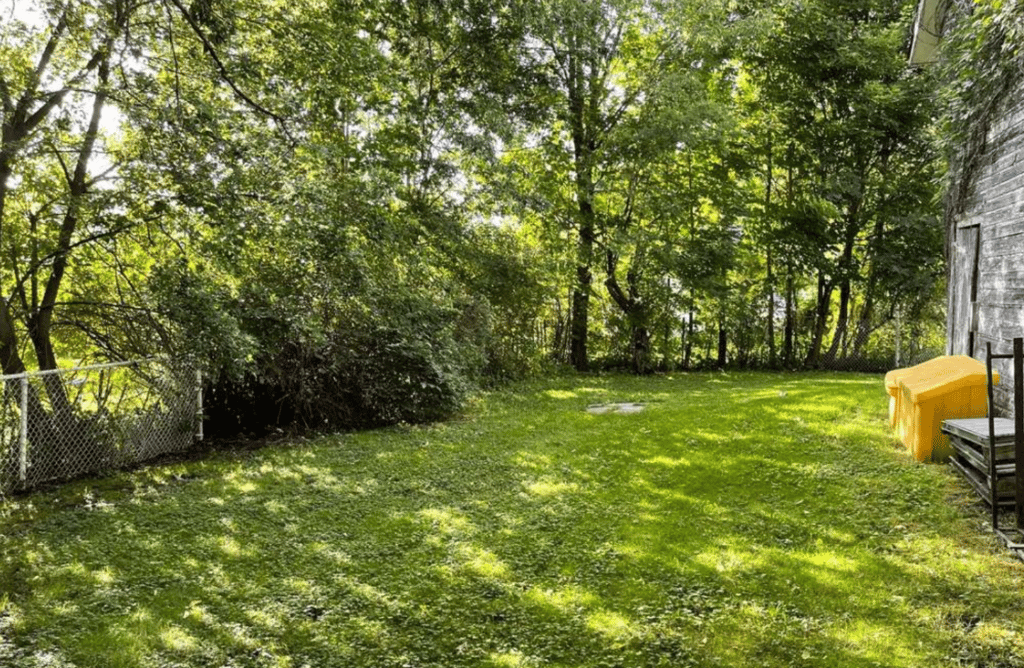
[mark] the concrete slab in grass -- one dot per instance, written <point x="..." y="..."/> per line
<point x="603" y="409"/>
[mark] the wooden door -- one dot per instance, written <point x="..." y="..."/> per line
<point x="963" y="290"/>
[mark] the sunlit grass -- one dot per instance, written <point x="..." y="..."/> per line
<point x="739" y="520"/>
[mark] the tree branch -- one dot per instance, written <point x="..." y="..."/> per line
<point x="211" y="51"/>
<point x="42" y="262"/>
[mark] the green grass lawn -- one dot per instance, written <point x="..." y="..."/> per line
<point x="740" y="520"/>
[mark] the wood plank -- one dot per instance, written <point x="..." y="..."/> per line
<point x="1007" y="269"/>
<point x="1007" y="222"/>
<point x="1004" y="493"/>
<point x="998" y="251"/>
<point x="1007" y="170"/>
<point x="961" y="288"/>
<point x="996" y="297"/>
<point x="1004" y="468"/>
<point x="967" y="454"/>
<point x="976" y="429"/>
<point x="1000" y="324"/>
<point x="1005" y="465"/>
<point x="999" y="230"/>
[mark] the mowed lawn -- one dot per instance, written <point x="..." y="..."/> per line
<point x="740" y="520"/>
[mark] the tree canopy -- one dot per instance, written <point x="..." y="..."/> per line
<point x="353" y="211"/>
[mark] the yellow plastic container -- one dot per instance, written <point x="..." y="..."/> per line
<point x="932" y="366"/>
<point x="940" y="389"/>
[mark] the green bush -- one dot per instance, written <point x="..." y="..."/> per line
<point x="368" y="370"/>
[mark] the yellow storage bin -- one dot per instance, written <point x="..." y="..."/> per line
<point x="941" y="389"/>
<point x="924" y="369"/>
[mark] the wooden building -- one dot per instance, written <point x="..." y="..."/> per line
<point x="985" y="242"/>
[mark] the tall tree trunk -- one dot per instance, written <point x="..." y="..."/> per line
<point x="722" y="338"/>
<point x="5" y="175"/>
<point x="841" y="323"/>
<point x="583" y="159"/>
<point x="641" y="348"/>
<point x="688" y="343"/>
<point x="666" y="354"/>
<point x="772" y="353"/>
<point x="845" y="289"/>
<point x="846" y="333"/>
<point x="632" y="307"/>
<point x="867" y="312"/>
<point x="822" y="306"/>
<point x="561" y="339"/>
<point x="40" y="323"/>
<point x="788" y="352"/>
<point x="864" y="322"/>
<point x="58" y="435"/>
<point x="722" y="345"/>
<point x="578" y="355"/>
<point x="789" y="336"/>
<point x="579" y="328"/>
<point x="770" y="277"/>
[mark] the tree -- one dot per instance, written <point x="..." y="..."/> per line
<point x="65" y="209"/>
<point x="854" y="119"/>
<point x="624" y="91"/>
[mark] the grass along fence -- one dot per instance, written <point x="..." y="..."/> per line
<point x="63" y="423"/>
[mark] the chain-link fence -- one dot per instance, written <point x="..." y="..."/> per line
<point x="56" y="425"/>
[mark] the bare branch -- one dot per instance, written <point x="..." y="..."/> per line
<point x="63" y="164"/>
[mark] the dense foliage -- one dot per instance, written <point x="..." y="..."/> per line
<point x="353" y="212"/>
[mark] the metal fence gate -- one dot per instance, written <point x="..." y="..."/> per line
<point x="56" y="425"/>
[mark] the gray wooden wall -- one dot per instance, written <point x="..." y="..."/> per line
<point x="986" y="254"/>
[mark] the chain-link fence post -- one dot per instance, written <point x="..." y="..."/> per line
<point x="23" y="432"/>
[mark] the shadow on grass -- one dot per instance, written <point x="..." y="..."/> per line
<point x="740" y="520"/>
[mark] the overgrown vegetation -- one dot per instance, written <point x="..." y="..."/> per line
<point x="352" y="212"/>
<point x="981" y="68"/>
<point x="741" y="519"/>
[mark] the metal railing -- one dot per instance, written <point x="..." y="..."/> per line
<point x="60" y="424"/>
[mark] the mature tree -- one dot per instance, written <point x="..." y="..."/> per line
<point x="624" y="92"/>
<point x="854" y="162"/>
<point x="357" y="287"/>
<point x="71" y="216"/>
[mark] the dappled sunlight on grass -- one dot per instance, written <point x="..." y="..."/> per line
<point x="742" y="519"/>
<point x="534" y="461"/>
<point x="671" y="462"/>
<point x="560" y="394"/>
<point x="446" y="521"/>
<point x="611" y="625"/>
<point x="177" y="639"/>
<point x="576" y="392"/>
<point x="549" y="488"/>
<point x="482" y="563"/>
<point x="569" y="600"/>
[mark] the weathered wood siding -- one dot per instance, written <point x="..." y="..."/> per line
<point x="986" y="286"/>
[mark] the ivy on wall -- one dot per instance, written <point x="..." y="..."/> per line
<point x="982" y="65"/>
